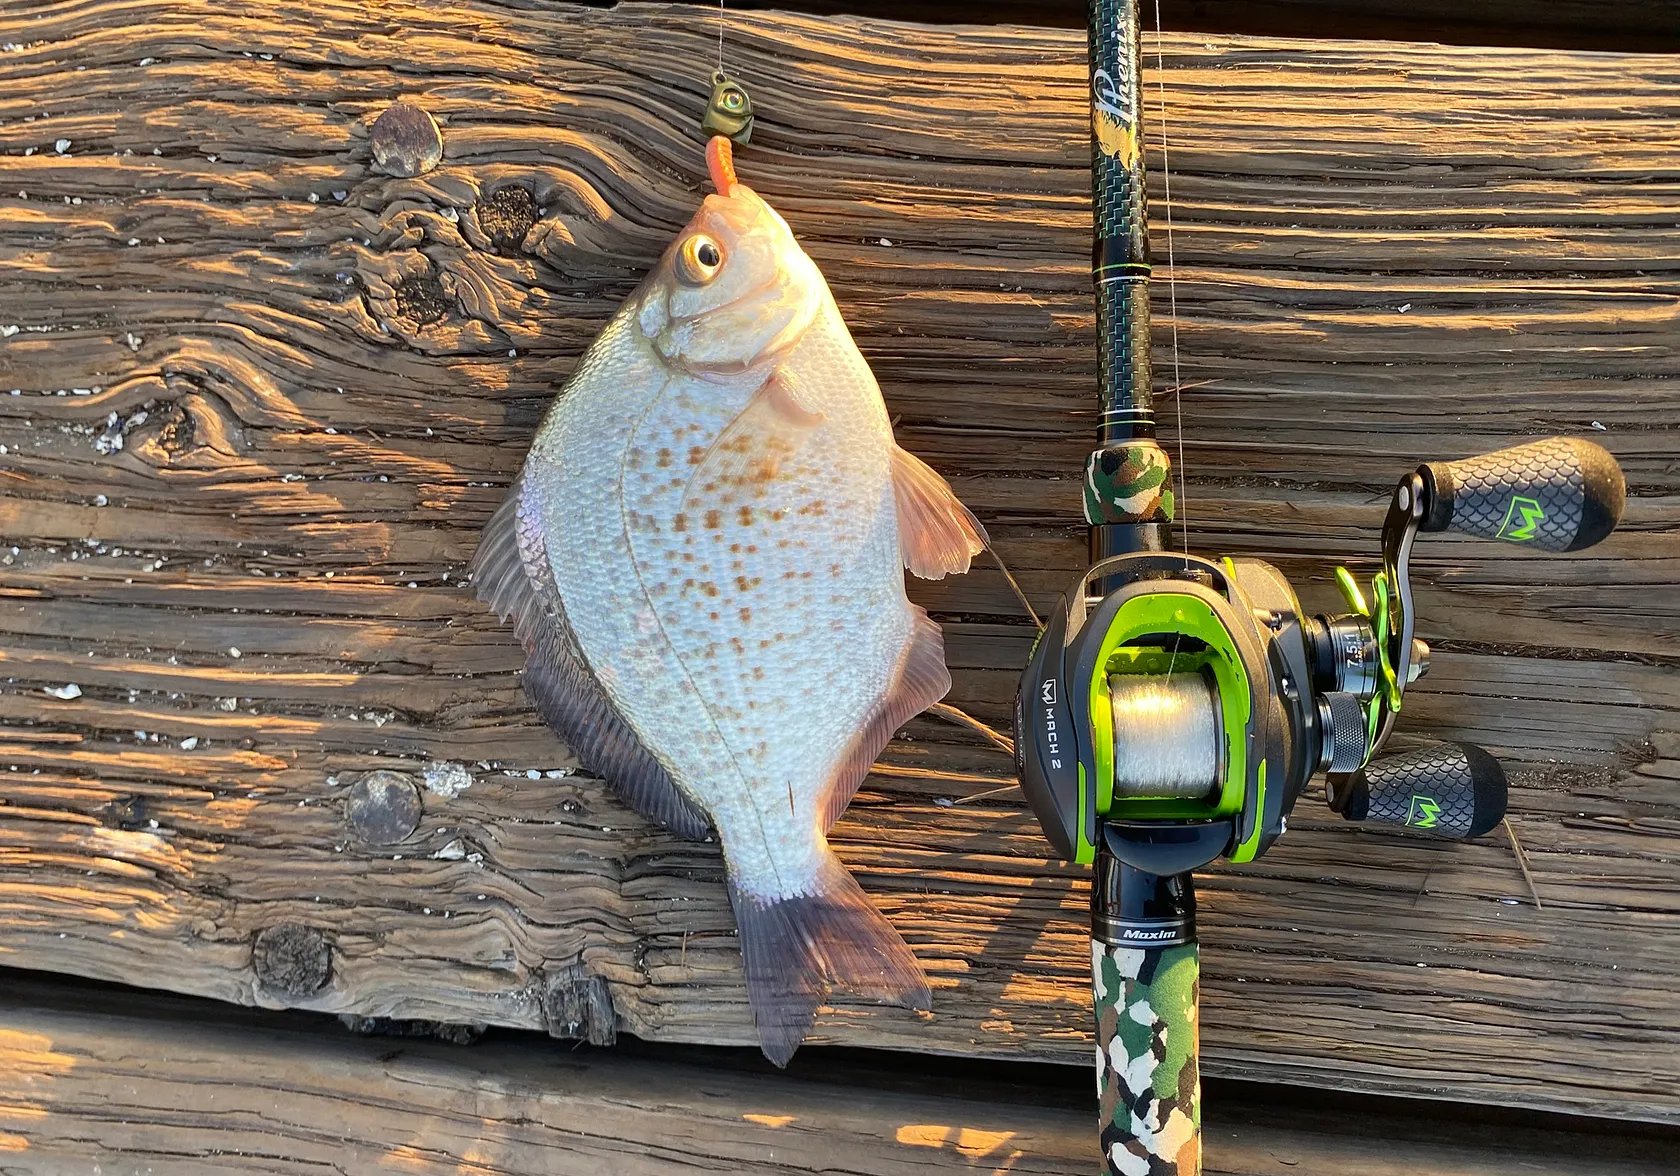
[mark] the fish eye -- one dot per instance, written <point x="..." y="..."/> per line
<point x="698" y="260"/>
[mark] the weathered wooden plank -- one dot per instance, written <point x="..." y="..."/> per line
<point x="1384" y="253"/>
<point x="85" y="1087"/>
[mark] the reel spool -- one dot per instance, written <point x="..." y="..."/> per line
<point x="1166" y="741"/>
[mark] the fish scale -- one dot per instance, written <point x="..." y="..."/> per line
<point x="705" y="552"/>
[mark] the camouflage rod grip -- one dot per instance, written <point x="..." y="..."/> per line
<point x="1149" y="1089"/>
<point x="1451" y="789"/>
<point x="1561" y="494"/>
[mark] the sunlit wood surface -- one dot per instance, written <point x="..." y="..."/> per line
<point x="86" y="1088"/>
<point x="323" y="378"/>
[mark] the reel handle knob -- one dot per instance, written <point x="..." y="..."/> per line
<point x="1560" y="494"/>
<point x="1452" y="789"/>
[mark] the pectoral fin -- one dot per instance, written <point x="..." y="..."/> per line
<point x="749" y="453"/>
<point x="936" y="533"/>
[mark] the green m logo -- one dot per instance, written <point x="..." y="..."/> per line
<point x="1525" y="515"/>
<point x="1425" y="811"/>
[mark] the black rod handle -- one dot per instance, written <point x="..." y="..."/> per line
<point x="1451" y="789"/>
<point x="1560" y="494"/>
<point x="1119" y="206"/>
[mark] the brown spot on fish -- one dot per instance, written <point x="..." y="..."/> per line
<point x="745" y="614"/>
<point x="709" y="588"/>
<point x="664" y="459"/>
<point x="745" y="514"/>
<point x="714" y="520"/>
<point x="758" y="673"/>
<point x="735" y="644"/>
<point x="748" y="583"/>
<point x="679" y="523"/>
<point x="695" y="454"/>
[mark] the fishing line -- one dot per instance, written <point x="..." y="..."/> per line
<point x="1015" y="587"/>
<point x="722" y="18"/>
<point x="1172" y="270"/>
<point x="1172" y="302"/>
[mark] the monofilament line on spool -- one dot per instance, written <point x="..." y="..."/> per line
<point x="1166" y="734"/>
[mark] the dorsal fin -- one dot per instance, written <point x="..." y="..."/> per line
<point x="511" y="574"/>
<point x="920" y="681"/>
<point x="937" y="535"/>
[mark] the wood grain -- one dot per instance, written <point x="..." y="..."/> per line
<point x="85" y="1088"/>
<point x="1384" y="253"/>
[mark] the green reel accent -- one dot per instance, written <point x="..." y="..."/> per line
<point x="1167" y="611"/>
<point x="1250" y="848"/>
<point x="1388" y="690"/>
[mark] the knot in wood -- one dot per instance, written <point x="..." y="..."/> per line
<point x="578" y="1005"/>
<point x="422" y="298"/>
<point x="383" y="807"/>
<point x="405" y="141"/>
<point x="292" y="960"/>
<point x="126" y="813"/>
<point x="507" y="217"/>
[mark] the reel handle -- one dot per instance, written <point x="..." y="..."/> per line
<point x="1451" y="789"/>
<point x="1560" y="494"/>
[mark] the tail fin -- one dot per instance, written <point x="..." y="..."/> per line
<point x="795" y="948"/>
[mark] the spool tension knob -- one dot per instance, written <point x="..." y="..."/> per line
<point x="1342" y="731"/>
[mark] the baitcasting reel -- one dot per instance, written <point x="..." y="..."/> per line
<point x="1176" y="717"/>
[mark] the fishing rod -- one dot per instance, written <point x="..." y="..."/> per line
<point x="1174" y="707"/>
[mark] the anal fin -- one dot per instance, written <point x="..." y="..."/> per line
<point x="511" y="574"/>
<point x="922" y="680"/>
<point x="937" y="534"/>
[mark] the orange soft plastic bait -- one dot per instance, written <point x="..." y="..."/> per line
<point x="720" y="161"/>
